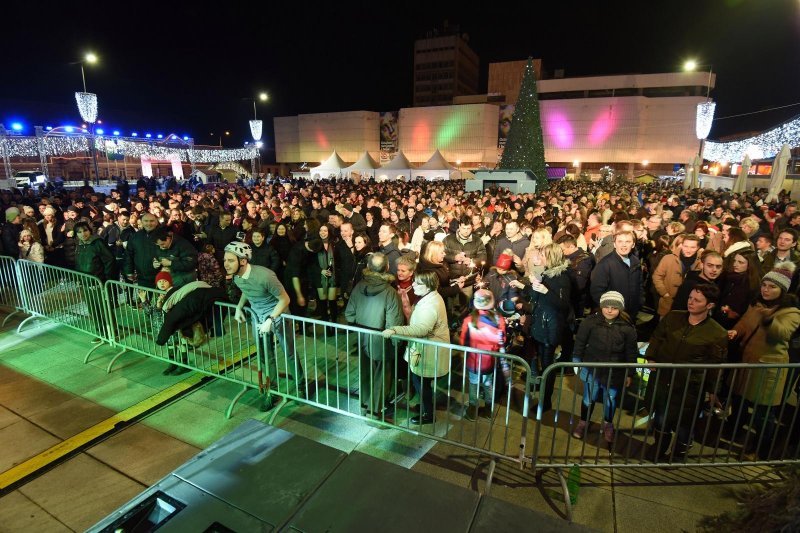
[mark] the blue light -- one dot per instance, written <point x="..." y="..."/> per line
<point x="48" y="128"/>
<point x="100" y="131"/>
<point x="116" y="132"/>
<point x="147" y="135"/>
<point x="134" y="134"/>
<point x="185" y="137"/>
<point x="160" y="136"/>
<point x="16" y="126"/>
<point x="69" y="129"/>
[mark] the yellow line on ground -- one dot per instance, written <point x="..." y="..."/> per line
<point x="22" y="470"/>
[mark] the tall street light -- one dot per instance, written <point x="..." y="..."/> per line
<point x="256" y="126"/>
<point x="87" y="107"/>
<point x="705" y="110"/>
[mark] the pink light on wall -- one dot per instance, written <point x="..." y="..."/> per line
<point x="558" y="127"/>
<point x="421" y="137"/>
<point x="602" y="127"/>
<point x="322" y="140"/>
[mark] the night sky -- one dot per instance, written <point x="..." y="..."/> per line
<point x="186" y="69"/>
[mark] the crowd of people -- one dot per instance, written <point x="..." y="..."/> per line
<point x="585" y="270"/>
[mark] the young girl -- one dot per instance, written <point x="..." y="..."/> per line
<point x="607" y="336"/>
<point x="484" y="329"/>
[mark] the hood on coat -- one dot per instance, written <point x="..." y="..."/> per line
<point x="90" y="241"/>
<point x="556" y="270"/>
<point x="376" y="282"/>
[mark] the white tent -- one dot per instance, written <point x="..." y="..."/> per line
<point x="364" y="168"/>
<point x="436" y="168"/>
<point x="776" y="182"/>
<point x="331" y="167"/>
<point x="398" y="168"/>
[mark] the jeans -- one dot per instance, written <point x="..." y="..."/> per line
<point x="481" y="381"/>
<point x="424" y="387"/>
<point x="591" y="392"/>
<point x="546" y="355"/>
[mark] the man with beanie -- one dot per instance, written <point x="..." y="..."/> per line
<point x="11" y="230"/>
<point x="684" y="337"/>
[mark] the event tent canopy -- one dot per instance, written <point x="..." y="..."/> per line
<point x="436" y="167"/>
<point x="330" y="167"/>
<point x="398" y="167"/>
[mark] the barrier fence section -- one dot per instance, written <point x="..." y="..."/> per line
<point x="10" y="294"/>
<point x="195" y="334"/>
<point x="66" y="297"/>
<point x="359" y="373"/>
<point x="676" y="415"/>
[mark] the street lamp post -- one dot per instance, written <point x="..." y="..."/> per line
<point x="705" y="110"/>
<point x="87" y="107"/>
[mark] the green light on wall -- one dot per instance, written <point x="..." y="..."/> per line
<point x="450" y="129"/>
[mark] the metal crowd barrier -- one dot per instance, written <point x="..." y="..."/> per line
<point x="210" y="341"/>
<point x="67" y="297"/>
<point x="10" y="293"/>
<point x="356" y="372"/>
<point x="667" y="416"/>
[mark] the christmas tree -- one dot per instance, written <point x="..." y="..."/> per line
<point x="525" y="144"/>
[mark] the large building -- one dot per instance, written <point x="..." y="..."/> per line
<point x="635" y="123"/>
<point x="444" y="67"/>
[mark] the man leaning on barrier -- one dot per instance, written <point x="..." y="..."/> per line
<point x="375" y="304"/>
<point x="685" y="337"/>
<point x="268" y="300"/>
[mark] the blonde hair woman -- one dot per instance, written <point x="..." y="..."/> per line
<point x="540" y="238"/>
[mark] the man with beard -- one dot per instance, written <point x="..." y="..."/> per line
<point x="140" y="252"/>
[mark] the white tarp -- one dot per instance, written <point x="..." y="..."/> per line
<point x="331" y="167"/>
<point x="398" y="168"/>
<point x="435" y="168"/>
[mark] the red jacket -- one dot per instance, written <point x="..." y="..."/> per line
<point x="488" y="335"/>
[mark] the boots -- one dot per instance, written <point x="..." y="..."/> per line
<point x="658" y="450"/>
<point x="471" y="413"/>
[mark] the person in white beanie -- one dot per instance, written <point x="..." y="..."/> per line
<point x="607" y="336"/>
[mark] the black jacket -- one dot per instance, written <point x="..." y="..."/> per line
<point x="267" y="257"/>
<point x="551" y="310"/>
<point x="139" y="258"/>
<point x="11" y="239"/>
<point x="612" y="274"/>
<point x="599" y="341"/>
<point x="442" y="272"/>
<point x="473" y="249"/>
<point x="345" y="260"/>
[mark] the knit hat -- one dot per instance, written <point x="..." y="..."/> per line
<point x="781" y="275"/>
<point x="612" y="299"/>
<point x="483" y="299"/>
<point x="25" y="233"/>
<point x="49" y="210"/>
<point x="164" y="275"/>
<point x="504" y="261"/>
<point x="11" y="214"/>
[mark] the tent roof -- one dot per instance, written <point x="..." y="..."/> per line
<point x="333" y="162"/>
<point x="436" y="162"/>
<point x="400" y="162"/>
<point x="365" y="162"/>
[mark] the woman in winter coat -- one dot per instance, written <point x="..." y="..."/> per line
<point x="321" y="274"/>
<point x="433" y="261"/>
<point x="549" y="298"/>
<point x="763" y="335"/>
<point x="483" y="329"/>
<point x="426" y="362"/>
<point x="607" y="336"/>
<point x="30" y="248"/>
<point x="740" y="285"/>
<point x="361" y="251"/>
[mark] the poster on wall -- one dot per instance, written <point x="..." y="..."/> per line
<point x="504" y="124"/>
<point x="388" y="122"/>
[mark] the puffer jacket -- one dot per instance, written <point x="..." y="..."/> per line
<point x="488" y="334"/>
<point x="601" y="341"/>
<point x="551" y="310"/>
<point x="474" y="249"/>
<point x="764" y="334"/>
<point x="428" y="321"/>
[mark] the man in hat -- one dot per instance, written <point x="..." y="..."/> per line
<point x="358" y="222"/>
<point x="11" y="231"/>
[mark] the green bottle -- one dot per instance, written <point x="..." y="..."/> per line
<point x="574" y="483"/>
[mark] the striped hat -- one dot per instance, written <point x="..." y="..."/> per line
<point x="781" y="275"/>
<point x="613" y="299"/>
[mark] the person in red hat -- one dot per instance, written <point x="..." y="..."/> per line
<point x="498" y="279"/>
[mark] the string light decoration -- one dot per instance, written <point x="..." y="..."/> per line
<point x="705" y="116"/>
<point x="87" y="106"/>
<point x="255" y="129"/>
<point x="525" y="145"/>
<point x="764" y="145"/>
<point x="62" y="145"/>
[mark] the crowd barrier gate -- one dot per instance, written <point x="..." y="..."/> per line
<point x="10" y="294"/>
<point x="682" y="416"/>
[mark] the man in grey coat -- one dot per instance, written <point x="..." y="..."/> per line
<point x="374" y="304"/>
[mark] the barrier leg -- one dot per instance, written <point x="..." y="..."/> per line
<point x="275" y="411"/>
<point x="565" y="490"/>
<point x="89" y="353"/>
<point x="490" y="476"/>
<point x="236" y="398"/>
<point x="5" y="321"/>
<point x="114" y="359"/>
<point x="19" y="328"/>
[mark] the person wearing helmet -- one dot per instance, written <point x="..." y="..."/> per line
<point x="267" y="298"/>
